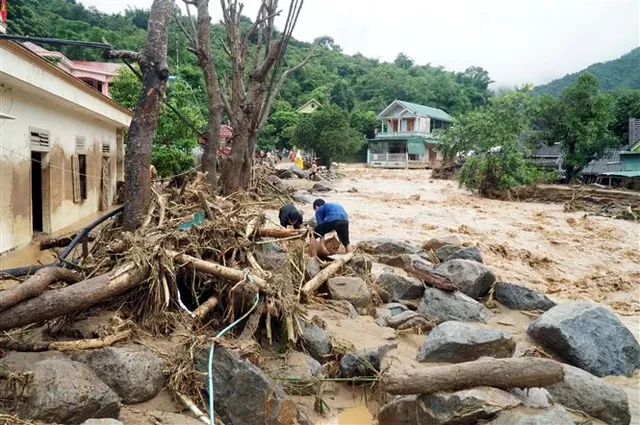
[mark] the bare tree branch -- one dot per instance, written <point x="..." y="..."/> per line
<point x="191" y="20"/>
<point x="123" y="54"/>
<point x="188" y="34"/>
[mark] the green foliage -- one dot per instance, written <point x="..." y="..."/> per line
<point x="580" y="120"/>
<point x="491" y="136"/>
<point x="329" y="134"/>
<point x="623" y="72"/>
<point x="175" y="141"/>
<point x="364" y="122"/>
<point x="627" y="106"/>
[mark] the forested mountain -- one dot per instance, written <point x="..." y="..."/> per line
<point x="351" y="82"/>
<point x="621" y="73"/>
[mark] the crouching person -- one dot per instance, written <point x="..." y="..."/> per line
<point x="329" y="217"/>
<point x="290" y="216"/>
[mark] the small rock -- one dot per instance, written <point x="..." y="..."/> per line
<point x="446" y="251"/>
<point x="445" y="306"/>
<point x="132" y="371"/>
<point x="438" y="242"/>
<point x="397" y="287"/>
<point x="353" y="313"/>
<point x="361" y="265"/>
<point x="408" y="320"/>
<point x="352" y="190"/>
<point x="303" y="197"/>
<point x="64" y="391"/>
<point x="271" y="248"/>
<point x="470" y="277"/>
<point x="518" y="297"/>
<point x="321" y="187"/>
<point x="105" y="421"/>
<point x="313" y="267"/>
<point x="469" y="253"/>
<point x="286" y="174"/>
<point x="533" y="397"/>
<point x="387" y="246"/>
<point x="386" y="311"/>
<point x="456" y="342"/>
<point x="464" y="407"/>
<point x="315" y="341"/>
<point x="352" y="289"/>
<point x="244" y="394"/>
<point x="589" y="336"/>
<point x="302" y="366"/>
<point x="273" y="260"/>
<point x="582" y="391"/>
<point x="365" y="362"/>
<point x="527" y="416"/>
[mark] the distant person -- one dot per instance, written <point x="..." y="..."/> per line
<point x="329" y="217"/>
<point x="298" y="161"/>
<point x="314" y="170"/>
<point x="290" y="216"/>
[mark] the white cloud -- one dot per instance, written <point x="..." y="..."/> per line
<point x="516" y="40"/>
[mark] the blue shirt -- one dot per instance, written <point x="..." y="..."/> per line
<point x="331" y="212"/>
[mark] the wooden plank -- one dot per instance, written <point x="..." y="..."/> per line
<point x="104" y="193"/>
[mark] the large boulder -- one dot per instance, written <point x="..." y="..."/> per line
<point x="301" y="174"/>
<point x="365" y="362"/>
<point x="321" y="187"/>
<point x="352" y="289"/>
<point x="518" y="297"/>
<point x="527" y="416"/>
<point x="444" y="252"/>
<point x="434" y="244"/>
<point x="582" y="391"/>
<point x="64" y="391"/>
<point x="463" y="407"/>
<point x="132" y="371"/>
<point x="456" y="342"/>
<point x="469" y="253"/>
<point x="406" y="261"/>
<point x="315" y="340"/>
<point x="302" y="366"/>
<point x="361" y="266"/>
<point x="468" y="276"/>
<point x="303" y="197"/>
<point x="589" y="336"/>
<point x="398" y="287"/>
<point x="244" y="394"/>
<point x="273" y="261"/>
<point x="313" y="267"/>
<point x="387" y="246"/>
<point x="445" y="306"/>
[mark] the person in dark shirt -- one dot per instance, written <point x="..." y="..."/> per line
<point x="329" y="217"/>
<point x="290" y="216"/>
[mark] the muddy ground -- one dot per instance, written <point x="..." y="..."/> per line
<point x="567" y="255"/>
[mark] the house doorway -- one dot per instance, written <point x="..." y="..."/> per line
<point x="37" y="215"/>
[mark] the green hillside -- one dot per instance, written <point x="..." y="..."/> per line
<point x="352" y="82"/>
<point x="621" y="73"/>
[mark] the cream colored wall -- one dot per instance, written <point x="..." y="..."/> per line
<point x="64" y="125"/>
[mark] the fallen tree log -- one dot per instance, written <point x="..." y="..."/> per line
<point x="219" y="270"/>
<point x="73" y="298"/>
<point x="60" y="241"/>
<point x="80" y="344"/>
<point x="272" y="232"/>
<point x="525" y="372"/>
<point x="430" y="276"/>
<point x="204" y="308"/>
<point x="36" y="285"/>
<point x="313" y="284"/>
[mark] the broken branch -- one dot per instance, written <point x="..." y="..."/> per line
<point x="313" y="284"/>
<point x="36" y="285"/>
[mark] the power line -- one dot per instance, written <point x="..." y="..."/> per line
<point x="88" y="44"/>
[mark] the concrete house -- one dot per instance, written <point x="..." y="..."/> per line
<point x="61" y="147"/>
<point x="408" y="138"/>
<point x="95" y="74"/>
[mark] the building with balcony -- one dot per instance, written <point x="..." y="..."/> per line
<point x="97" y="75"/>
<point x="409" y="136"/>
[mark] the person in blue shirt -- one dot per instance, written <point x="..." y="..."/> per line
<point x="329" y="217"/>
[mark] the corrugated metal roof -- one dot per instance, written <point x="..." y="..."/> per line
<point x="622" y="174"/>
<point x="609" y="162"/>
<point x="546" y="151"/>
<point x="436" y="113"/>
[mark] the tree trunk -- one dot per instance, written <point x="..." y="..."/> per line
<point x="205" y="61"/>
<point x="74" y="298"/>
<point x="325" y="274"/>
<point x="525" y="372"/>
<point x="142" y="131"/>
<point x="37" y="284"/>
<point x="234" y="167"/>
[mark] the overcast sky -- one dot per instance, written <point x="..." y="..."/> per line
<point x="517" y="41"/>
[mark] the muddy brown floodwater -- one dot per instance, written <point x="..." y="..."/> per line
<point x="564" y="255"/>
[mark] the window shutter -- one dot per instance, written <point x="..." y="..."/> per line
<point x="75" y="174"/>
<point x="39" y="140"/>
